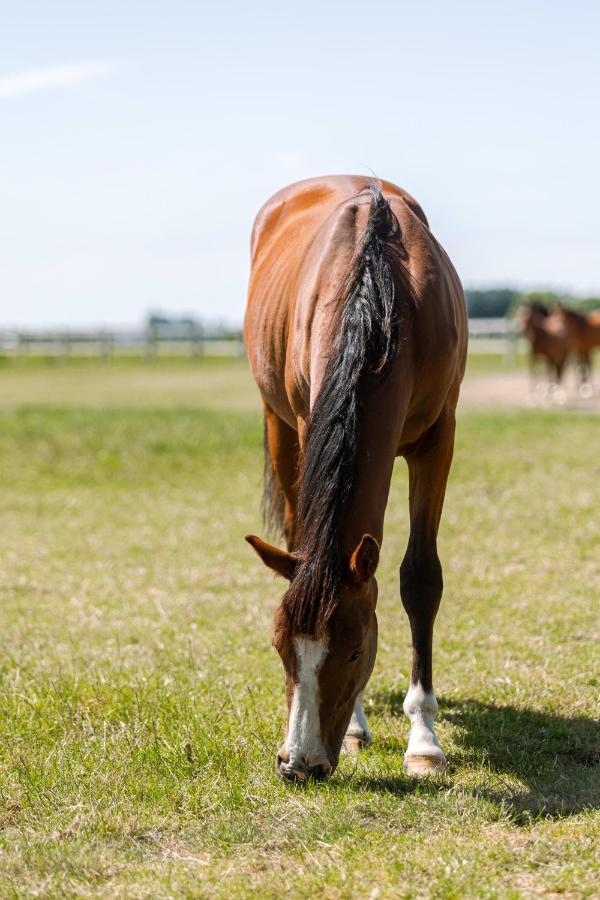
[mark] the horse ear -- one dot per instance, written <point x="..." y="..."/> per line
<point x="279" y="561"/>
<point x="363" y="561"/>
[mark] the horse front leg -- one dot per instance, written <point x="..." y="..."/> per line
<point x="585" y="375"/>
<point x="358" y="734"/>
<point x="421" y="588"/>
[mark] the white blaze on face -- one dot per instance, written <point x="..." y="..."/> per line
<point x="303" y="741"/>
<point x="421" y="709"/>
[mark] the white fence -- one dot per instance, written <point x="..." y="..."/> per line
<point x="485" y="336"/>
<point x="106" y="343"/>
<point x="494" y="336"/>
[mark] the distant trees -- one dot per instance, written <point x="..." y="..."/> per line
<point x="587" y="305"/>
<point x="186" y="326"/>
<point x="501" y="302"/>
<point x="490" y="304"/>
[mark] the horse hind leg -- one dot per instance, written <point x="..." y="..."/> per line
<point x="421" y="589"/>
<point x="280" y="478"/>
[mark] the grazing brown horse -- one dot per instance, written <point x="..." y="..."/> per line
<point x="548" y="339"/>
<point x="583" y="334"/>
<point x="356" y="333"/>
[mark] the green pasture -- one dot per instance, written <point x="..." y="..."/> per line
<point x="141" y="702"/>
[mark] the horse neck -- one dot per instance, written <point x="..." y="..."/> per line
<point x="574" y="322"/>
<point x="536" y="328"/>
<point x="379" y="438"/>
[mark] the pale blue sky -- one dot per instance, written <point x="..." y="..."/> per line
<point x="138" y="139"/>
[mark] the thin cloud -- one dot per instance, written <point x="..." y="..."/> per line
<point x="31" y="81"/>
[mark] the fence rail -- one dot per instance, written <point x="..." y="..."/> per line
<point x="108" y="343"/>
<point x="486" y="335"/>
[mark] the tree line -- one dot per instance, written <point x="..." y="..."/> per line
<point x="498" y="303"/>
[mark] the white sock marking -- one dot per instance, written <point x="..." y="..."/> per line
<point x="421" y="709"/>
<point x="303" y="742"/>
<point x="358" y="723"/>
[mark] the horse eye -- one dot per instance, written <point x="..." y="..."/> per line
<point x="355" y="655"/>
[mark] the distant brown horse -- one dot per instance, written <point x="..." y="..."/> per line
<point x="583" y="332"/>
<point x="548" y="340"/>
<point x="356" y="333"/>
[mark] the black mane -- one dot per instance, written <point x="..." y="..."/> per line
<point x="376" y="297"/>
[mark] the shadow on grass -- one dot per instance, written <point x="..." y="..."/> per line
<point x="556" y="757"/>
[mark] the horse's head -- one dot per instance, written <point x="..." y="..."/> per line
<point x="532" y="313"/>
<point x="326" y="669"/>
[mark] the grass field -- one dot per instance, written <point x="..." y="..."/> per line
<point x="141" y="702"/>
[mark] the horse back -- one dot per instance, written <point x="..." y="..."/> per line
<point x="303" y="243"/>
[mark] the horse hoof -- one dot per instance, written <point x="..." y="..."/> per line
<point x="425" y="765"/>
<point x="355" y="742"/>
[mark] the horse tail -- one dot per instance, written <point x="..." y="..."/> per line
<point x="374" y="300"/>
<point x="272" y="505"/>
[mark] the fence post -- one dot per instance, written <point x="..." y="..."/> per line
<point x="195" y="339"/>
<point x="510" y="344"/>
<point x="105" y="346"/>
<point x="152" y="341"/>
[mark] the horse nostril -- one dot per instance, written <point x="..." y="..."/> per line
<point x="292" y="770"/>
<point x="283" y="756"/>
<point x="298" y="767"/>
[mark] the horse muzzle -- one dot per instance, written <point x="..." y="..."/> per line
<point x="300" y="770"/>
